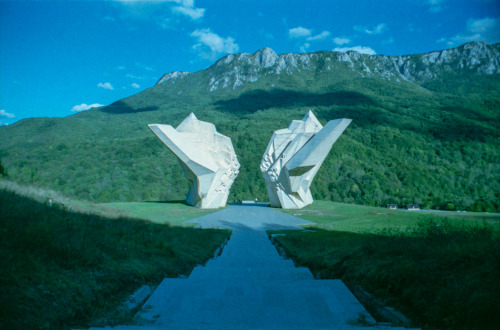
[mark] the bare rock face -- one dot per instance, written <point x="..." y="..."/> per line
<point x="207" y="158"/>
<point x="172" y="77"/>
<point x="294" y="156"/>
<point x="235" y="71"/>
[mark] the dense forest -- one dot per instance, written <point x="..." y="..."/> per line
<point x="431" y="142"/>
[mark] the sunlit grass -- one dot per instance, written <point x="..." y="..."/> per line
<point x="367" y="219"/>
<point x="174" y="213"/>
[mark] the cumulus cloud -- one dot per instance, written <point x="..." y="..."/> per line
<point x="359" y="49"/>
<point x="321" y="36"/>
<point x="5" y="114"/>
<point x="302" y="32"/>
<point x="134" y="85"/>
<point x="341" y="41"/>
<point x="194" y="13"/>
<point x="105" y="85"/>
<point x="145" y="9"/>
<point x="299" y="32"/>
<point x="484" y="29"/>
<point x="380" y="28"/>
<point x="84" y="107"/>
<point x="211" y="45"/>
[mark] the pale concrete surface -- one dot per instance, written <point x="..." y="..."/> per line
<point x="250" y="286"/>
<point x="207" y="158"/>
<point x="294" y="156"/>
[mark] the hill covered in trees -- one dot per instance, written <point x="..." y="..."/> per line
<point x="425" y="129"/>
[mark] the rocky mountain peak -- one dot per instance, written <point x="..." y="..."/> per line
<point x="267" y="57"/>
<point x="172" y="77"/>
<point x="236" y="70"/>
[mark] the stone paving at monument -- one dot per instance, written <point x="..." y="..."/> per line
<point x="251" y="286"/>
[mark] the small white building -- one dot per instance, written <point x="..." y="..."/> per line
<point x="413" y="207"/>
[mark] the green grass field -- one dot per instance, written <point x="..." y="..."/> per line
<point x="174" y="213"/>
<point x="439" y="268"/>
<point x="62" y="269"/>
<point x="367" y="219"/>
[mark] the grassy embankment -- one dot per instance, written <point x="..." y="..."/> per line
<point x="173" y="213"/>
<point x="62" y="269"/>
<point x="439" y="268"/>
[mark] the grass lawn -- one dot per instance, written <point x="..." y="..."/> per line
<point x="62" y="269"/>
<point x="439" y="268"/>
<point x="367" y="219"/>
<point x="173" y="213"/>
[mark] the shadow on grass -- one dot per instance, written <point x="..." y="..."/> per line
<point x="176" y="201"/>
<point x="61" y="269"/>
<point x="440" y="275"/>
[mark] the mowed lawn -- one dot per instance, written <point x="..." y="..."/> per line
<point x="173" y="213"/>
<point x="439" y="268"/>
<point x="368" y="219"/>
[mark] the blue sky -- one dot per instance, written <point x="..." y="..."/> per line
<point x="61" y="57"/>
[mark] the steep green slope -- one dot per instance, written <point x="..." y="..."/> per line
<point x="427" y="136"/>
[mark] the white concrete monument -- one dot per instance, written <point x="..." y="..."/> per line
<point x="206" y="156"/>
<point x="294" y="156"/>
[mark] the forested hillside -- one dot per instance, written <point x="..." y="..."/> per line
<point x="425" y="129"/>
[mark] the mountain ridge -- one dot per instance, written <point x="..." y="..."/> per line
<point x="246" y="67"/>
<point x="431" y="141"/>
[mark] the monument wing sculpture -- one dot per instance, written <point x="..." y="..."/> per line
<point x="294" y="156"/>
<point x="206" y="156"/>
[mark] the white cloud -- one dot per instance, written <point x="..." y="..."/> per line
<point x="304" y="47"/>
<point x="145" y="9"/>
<point x="105" y="85"/>
<point x="5" y="114"/>
<point x="194" y="13"/>
<point x="485" y="29"/>
<point x="341" y="41"/>
<point x="359" y="49"/>
<point x="380" y="28"/>
<point x="321" y="36"/>
<point x="134" y="85"/>
<point x="216" y="44"/>
<point x="299" y="32"/>
<point x="83" y="107"/>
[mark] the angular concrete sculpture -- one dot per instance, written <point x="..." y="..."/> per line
<point x="206" y="156"/>
<point x="294" y="156"/>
